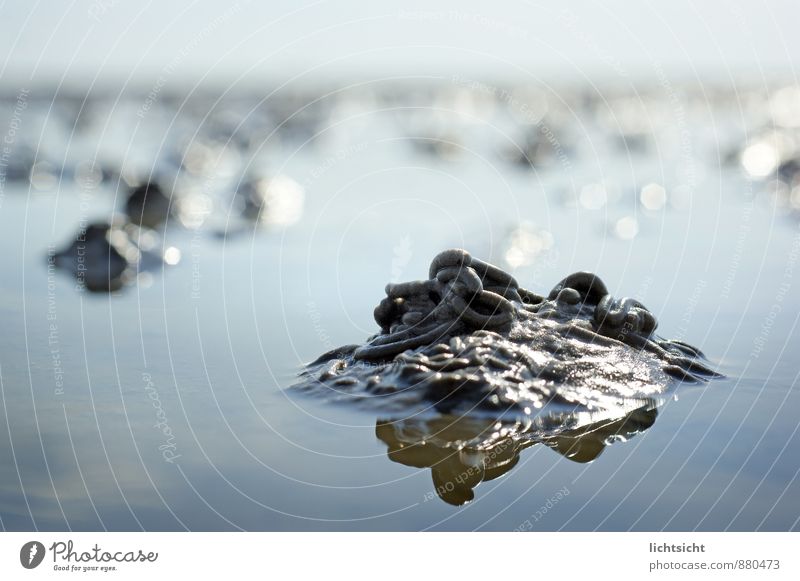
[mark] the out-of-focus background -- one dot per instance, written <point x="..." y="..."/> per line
<point x="252" y="43"/>
<point x="197" y="198"/>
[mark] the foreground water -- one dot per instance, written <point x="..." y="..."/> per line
<point x="165" y="406"/>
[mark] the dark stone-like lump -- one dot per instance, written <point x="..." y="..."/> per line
<point x="470" y="338"/>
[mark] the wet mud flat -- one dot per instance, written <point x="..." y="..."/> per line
<point x="169" y="274"/>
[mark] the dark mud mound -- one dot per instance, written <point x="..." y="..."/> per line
<point x="469" y="338"/>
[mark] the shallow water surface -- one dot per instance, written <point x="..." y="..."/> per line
<point x="166" y="405"/>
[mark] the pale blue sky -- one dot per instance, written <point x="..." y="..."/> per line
<point x="118" y="39"/>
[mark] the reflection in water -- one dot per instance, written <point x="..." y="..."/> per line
<point x="464" y="451"/>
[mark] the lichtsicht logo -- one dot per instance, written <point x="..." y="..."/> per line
<point x="31" y="554"/>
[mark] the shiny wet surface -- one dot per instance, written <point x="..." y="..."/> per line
<point x="164" y="406"/>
